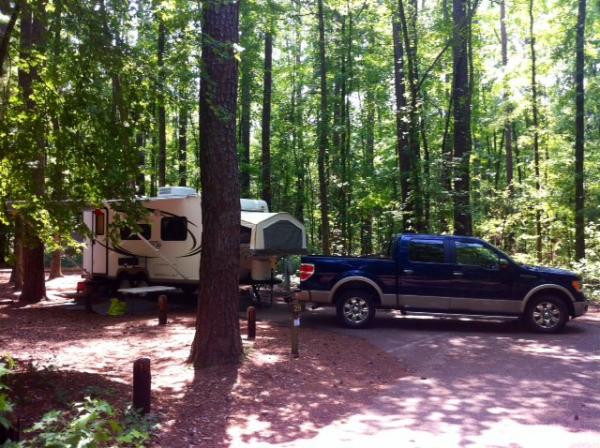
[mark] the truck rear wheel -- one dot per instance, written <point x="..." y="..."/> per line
<point x="355" y="308"/>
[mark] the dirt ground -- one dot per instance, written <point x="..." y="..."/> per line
<point x="65" y="354"/>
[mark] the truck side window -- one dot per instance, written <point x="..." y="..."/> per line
<point x="99" y="215"/>
<point x="475" y="254"/>
<point x="426" y="251"/>
<point x="173" y="228"/>
<point x="127" y="233"/>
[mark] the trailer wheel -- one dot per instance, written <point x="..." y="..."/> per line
<point x="355" y="308"/>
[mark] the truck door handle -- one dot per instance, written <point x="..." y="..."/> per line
<point x="408" y="271"/>
<point x="458" y="274"/>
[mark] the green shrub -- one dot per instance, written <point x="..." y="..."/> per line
<point x="6" y="406"/>
<point x="92" y="423"/>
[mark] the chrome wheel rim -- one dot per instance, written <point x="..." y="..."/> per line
<point x="546" y="315"/>
<point x="356" y="310"/>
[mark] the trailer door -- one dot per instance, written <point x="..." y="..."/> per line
<point x="99" y="242"/>
<point x="88" y="218"/>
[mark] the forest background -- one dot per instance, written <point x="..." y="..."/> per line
<point x="361" y="118"/>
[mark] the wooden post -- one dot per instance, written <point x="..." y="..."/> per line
<point x="296" y="308"/>
<point x="141" y="385"/>
<point x="251" y="323"/>
<point x="163" y="307"/>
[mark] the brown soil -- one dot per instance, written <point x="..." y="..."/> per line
<point x="65" y="354"/>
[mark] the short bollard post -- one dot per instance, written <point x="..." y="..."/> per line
<point x="296" y="308"/>
<point x="141" y="385"/>
<point x="163" y="307"/>
<point x="251" y="323"/>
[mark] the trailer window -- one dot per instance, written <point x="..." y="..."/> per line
<point x="245" y="234"/>
<point x="99" y="225"/>
<point x="173" y="228"/>
<point x="128" y="233"/>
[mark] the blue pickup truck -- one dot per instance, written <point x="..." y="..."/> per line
<point x="441" y="274"/>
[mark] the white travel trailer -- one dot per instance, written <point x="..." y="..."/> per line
<point x="167" y="248"/>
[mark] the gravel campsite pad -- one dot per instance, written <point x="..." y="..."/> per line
<point x="65" y="354"/>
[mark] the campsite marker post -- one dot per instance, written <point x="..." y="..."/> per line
<point x="251" y="323"/>
<point x="163" y="307"/>
<point x="141" y="385"/>
<point x="296" y="308"/>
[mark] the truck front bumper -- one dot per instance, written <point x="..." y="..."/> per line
<point x="580" y="308"/>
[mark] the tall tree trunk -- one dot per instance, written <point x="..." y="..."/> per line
<point x="246" y="103"/>
<point x="462" y="118"/>
<point x="56" y="263"/>
<point x="298" y="130"/>
<point x="536" y="132"/>
<point x="368" y="173"/>
<point x="141" y="154"/>
<point x="447" y="167"/>
<point x="408" y="29"/>
<point x="162" y="132"/>
<point x="402" y="131"/>
<point x="16" y="276"/>
<point x="6" y="32"/>
<point x="323" y="130"/>
<point x="33" y="40"/>
<point x="217" y="339"/>
<point x="183" y="119"/>
<point x="266" y="120"/>
<point x="507" y="124"/>
<point x="580" y="133"/>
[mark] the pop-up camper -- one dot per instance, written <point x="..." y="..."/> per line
<point x="167" y="247"/>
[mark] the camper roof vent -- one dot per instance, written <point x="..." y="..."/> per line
<point x="177" y="191"/>
<point x="254" y="205"/>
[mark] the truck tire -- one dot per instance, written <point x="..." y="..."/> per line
<point x="546" y="314"/>
<point x="355" y="308"/>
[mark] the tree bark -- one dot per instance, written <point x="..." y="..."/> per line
<point x="462" y="118"/>
<point x="323" y="130"/>
<point x="183" y="119"/>
<point x="33" y="40"/>
<point x="536" y="132"/>
<point x="162" y="133"/>
<point x="217" y="339"/>
<point x="266" y="120"/>
<point x="580" y="133"/>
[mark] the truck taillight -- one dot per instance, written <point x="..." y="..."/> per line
<point x="306" y="271"/>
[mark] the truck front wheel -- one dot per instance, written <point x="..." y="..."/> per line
<point x="355" y="308"/>
<point x="546" y="314"/>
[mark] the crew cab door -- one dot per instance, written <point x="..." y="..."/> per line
<point x="482" y="279"/>
<point x="425" y="274"/>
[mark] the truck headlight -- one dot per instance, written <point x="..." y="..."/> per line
<point x="576" y="285"/>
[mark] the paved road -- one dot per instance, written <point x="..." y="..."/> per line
<point x="477" y="384"/>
